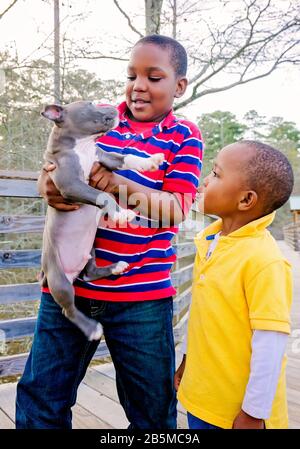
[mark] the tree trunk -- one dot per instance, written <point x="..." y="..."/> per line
<point x="56" y="53"/>
<point x="174" y="19"/>
<point x="153" y="11"/>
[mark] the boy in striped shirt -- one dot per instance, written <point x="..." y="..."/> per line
<point x="135" y="308"/>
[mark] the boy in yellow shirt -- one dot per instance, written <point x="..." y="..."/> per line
<point x="233" y="374"/>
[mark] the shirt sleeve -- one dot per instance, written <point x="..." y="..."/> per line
<point x="269" y="297"/>
<point x="184" y="168"/>
<point x="268" y="348"/>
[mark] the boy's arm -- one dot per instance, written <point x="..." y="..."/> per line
<point x="268" y="348"/>
<point x="166" y="207"/>
<point x="170" y="205"/>
<point x="161" y="206"/>
<point x="268" y="290"/>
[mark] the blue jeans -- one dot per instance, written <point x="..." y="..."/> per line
<point x="197" y="423"/>
<point x="139" y="336"/>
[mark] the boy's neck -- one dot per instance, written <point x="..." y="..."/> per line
<point x="131" y="117"/>
<point x="233" y="223"/>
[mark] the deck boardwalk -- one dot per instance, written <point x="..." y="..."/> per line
<point x="97" y="405"/>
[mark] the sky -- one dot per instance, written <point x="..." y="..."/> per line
<point x="30" y="23"/>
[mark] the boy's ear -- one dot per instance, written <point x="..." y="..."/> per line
<point x="181" y="87"/>
<point x="248" y="200"/>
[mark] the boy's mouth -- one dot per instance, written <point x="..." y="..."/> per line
<point x="140" y="101"/>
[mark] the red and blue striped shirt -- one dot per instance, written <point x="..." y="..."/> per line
<point x="146" y="247"/>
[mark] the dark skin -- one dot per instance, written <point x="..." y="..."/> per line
<point x="150" y="91"/>
<point x="226" y="191"/>
<point x="227" y="194"/>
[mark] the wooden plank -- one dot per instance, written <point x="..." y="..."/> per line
<point x="104" y="408"/>
<point x="13" y="364"/>
<point x="5" y="421"/>
<point x="8" y="398"/>
<point x="190" y="225"/>
<point x="292" y="380"/>
<point x="84" y="419"/>
<point x="19" y="292"/>
<point x="102" y="351"/>
<point x="18" y="174"/>
<point x="292" y="362"/>
<point x="107" y="369"/>
<point x="18" y="188"/>
<point x="18" y="327"/>
<point x="20" y="259"/>
<point x="182" y="422"/>
<point x="293" y="413"/>
<point x="184" y="249"/>
<point x="293" y="396"/>
<point x="101" y="383"/>
<point x="15" y="224"/>
<point x="180" y="328"/>
<point x="183" y="275"/>
<point x="182" y="301"/>
<point x="32" y="257"/>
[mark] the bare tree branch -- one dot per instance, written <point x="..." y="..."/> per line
<point x="127" y="18"/>
<point x="8" y="8"/>
<point x="195" y="95"/>
<point x="87" y="55"/>
<point x="246" y="47"/>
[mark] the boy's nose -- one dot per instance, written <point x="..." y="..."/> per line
<point x="139" y="84"/>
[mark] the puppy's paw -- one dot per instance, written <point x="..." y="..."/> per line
<point x="97" y="333"/>
<point x="120" y="267"/>
<point x="155" y="161"/>
<point x="142" y="164"/>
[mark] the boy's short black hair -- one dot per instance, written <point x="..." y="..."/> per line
<point x="270" y="174"/>
<point x="178" y="55"/>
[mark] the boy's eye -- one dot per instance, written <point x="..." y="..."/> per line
<point x="214" y="173"/>
<point x="131" y="77"/>
<point x="154" y="79"/>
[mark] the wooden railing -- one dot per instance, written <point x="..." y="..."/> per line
<point x="23" y="185"/>
<point x="291" y="234"/>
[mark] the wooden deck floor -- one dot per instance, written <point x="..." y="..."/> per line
<point x="97" y="404"/>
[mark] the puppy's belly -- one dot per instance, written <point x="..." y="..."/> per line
<point x="73" y="234"/>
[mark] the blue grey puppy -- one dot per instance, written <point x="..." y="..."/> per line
<point x="68" y="236"/>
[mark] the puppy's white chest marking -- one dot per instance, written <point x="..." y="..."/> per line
<point x="86" y="151"/>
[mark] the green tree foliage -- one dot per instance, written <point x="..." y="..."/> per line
<point x="23" y="132"/>
<point x="285" y="136"/>
<point x="219" y="128"/>
<point x="256" y="125"/>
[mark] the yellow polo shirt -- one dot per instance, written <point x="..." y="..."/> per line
<point x="246" y="284"/>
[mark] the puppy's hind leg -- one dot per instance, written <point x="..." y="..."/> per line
<point x="63" y="293"/>
<point x="91" y="272"/>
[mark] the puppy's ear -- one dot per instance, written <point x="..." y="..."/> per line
<point x="54" y="112"/>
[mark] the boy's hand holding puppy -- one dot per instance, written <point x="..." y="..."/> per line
<point x="100" y="178"/>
